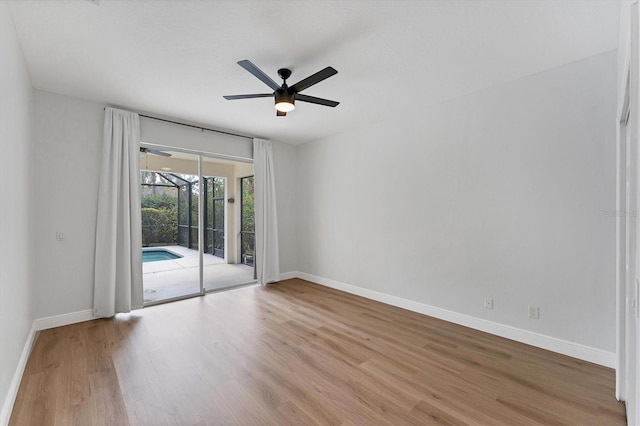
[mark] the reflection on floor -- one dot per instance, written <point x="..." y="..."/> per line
<point x="179" y="277"/>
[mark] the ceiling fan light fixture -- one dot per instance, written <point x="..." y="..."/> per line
<point x="284" y="101"/>
<point x="285" y="106"/>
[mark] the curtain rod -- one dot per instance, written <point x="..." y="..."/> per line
<point x="195" y="127"/>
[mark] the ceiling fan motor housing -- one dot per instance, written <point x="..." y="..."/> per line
<point x="285" y="94"/>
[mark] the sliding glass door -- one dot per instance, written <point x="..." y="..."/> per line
<point x="170" y="189"/>
<point x="223" y="260"/>
<point x="195" y="236"/>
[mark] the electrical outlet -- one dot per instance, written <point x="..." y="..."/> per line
<point x="488" y="303"/>
<point x="59" y="236"/>
<point x="534" y="312"/>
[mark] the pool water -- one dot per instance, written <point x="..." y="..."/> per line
<point x="157" y="255"/>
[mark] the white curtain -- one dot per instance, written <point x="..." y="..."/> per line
<point x="118" y="261"/>
<point x="267" y="257"/>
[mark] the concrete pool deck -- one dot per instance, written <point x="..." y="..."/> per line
<point x="165" y="279"/>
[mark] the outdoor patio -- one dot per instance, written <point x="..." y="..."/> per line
<point x="166" y="279"/>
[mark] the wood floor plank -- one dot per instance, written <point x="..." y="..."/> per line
<point x="297" y="353"/>
<point x="289" y="414"/>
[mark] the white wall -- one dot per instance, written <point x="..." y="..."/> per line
<point x="623" y="43"/>
<point x="16" y="243"/>
<point x="68" y="135"/>
<point x="285" y="161"/>
<point x="502" y="194"/>
<point x="66" y="164"/>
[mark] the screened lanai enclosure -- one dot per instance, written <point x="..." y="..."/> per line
<point x="170" y="211"/>
<point x="172" y="221"/>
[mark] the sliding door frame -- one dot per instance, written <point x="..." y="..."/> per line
<point x="201" y="229"/>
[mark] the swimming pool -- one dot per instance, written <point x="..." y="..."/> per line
<point x="155" y="255"/>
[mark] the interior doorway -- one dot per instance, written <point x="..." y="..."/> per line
<point x="628" y="227"/>
<point x="190" y="224"/>
<point x="630" y="266"/>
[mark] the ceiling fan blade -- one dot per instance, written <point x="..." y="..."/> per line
<point x="314" y="100"/>
<point x="249" y="66"/>
<point x="280" y="114"/>
<point x="256" y="95"/>
<point x="314" y="79"/>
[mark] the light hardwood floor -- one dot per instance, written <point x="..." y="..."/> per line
<point x="299" y="353"/>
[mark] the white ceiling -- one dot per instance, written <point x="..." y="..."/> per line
<point x="177" y="58"/>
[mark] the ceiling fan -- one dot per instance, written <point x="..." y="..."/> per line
<point x="284" y="95"/>
<point x="154" y="152"/>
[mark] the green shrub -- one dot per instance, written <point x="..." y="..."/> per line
<point x="159" y="226"/>
<point x="160" y="201"/>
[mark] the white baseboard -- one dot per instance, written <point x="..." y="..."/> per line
<point x="64" y="319"/>
<point x="38" y="324"/>
<point x="7" y="406"/>
<point x="289" y="275"/>
<point x="575" y="350"/>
